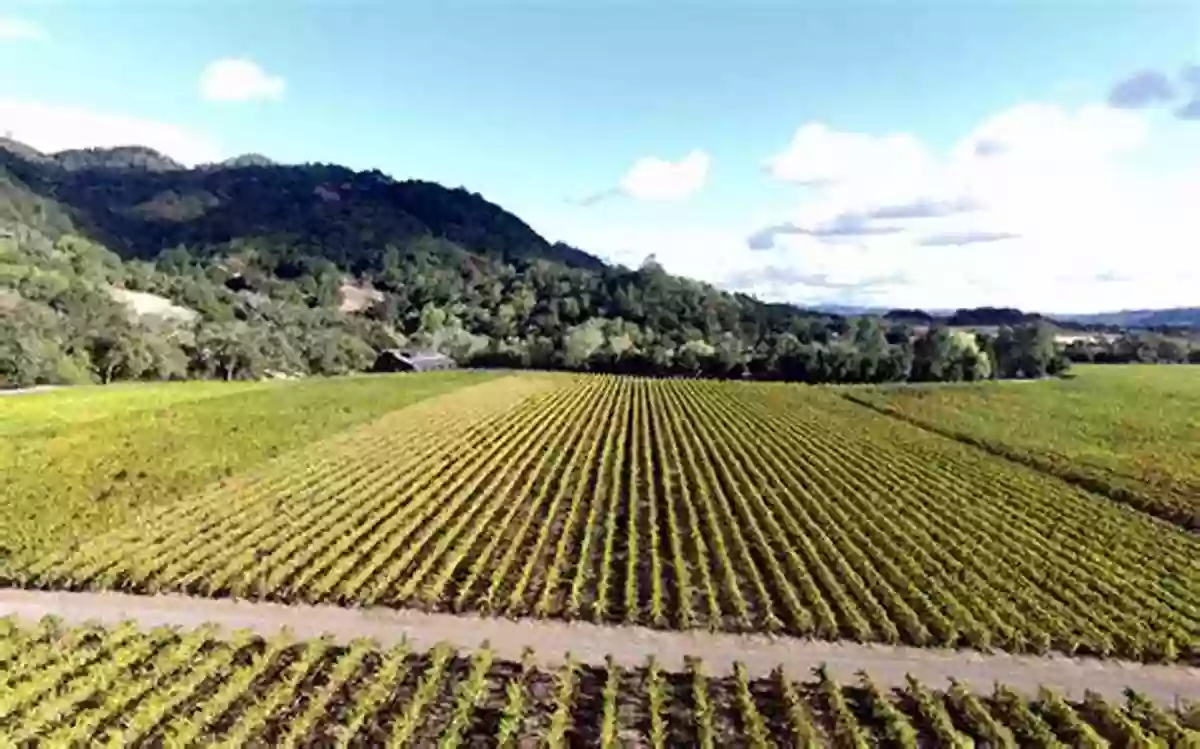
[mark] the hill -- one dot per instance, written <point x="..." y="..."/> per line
<point x="139" y="202"/>
<point x="265" y="254"/>
<point x="1179" y="317"/>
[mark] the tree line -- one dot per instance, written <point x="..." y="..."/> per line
<point x="263" y="310"/>
<point x="1135" y="348"/>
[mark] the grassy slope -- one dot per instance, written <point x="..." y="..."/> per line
<point x="91" y="468"/>
<point x="1126" y="431"/>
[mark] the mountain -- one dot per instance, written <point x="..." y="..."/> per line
<point x="984" y="317"/>
<point x="245" y="160"/>
<point x="139" y="202"/>
<point x="1178" y="317"/>
<point x="124" y="158"/>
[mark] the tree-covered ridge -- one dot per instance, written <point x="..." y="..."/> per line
<point x="138" y="203"/>
<point x="264" y="255"/>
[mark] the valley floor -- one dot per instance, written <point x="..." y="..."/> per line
<point x="570" y="557"/>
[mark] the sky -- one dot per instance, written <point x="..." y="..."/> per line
<point x="936" y="154"/>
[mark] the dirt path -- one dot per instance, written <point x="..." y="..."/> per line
<point x="29" y="390"/>
<point x="629" y="645"/>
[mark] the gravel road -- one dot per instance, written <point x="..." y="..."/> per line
<point x="630" y="646"/>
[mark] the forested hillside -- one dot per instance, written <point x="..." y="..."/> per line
<point x="312" y="269"/>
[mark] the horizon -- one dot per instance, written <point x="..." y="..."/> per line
<point x="992" y="166"/>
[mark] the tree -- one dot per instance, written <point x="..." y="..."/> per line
<point x="936" y="356"/>
<point x="871" y="340"/>
<point x="1037" y="352"/>
<point x="582" y="341"/>
<point x="694" y="357"/>
<point x="227" y="351"/>
<point x="118" y="353"/>
<point x="1171" y="351"/>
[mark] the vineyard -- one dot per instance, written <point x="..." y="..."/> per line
<point x="124" y="687"/>
<point x="76" y="461"/>
<point x="673" y="504"/>
<point x="1125" y="432"/>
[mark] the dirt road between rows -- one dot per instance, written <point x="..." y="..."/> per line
<point x="629" y="646"/>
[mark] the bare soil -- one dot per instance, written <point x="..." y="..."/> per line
<point x="629" y="646"/>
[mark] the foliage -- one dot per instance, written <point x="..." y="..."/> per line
<point x="1134" y="348"/>
<point x="75" y="462"/>
<point x="778" y="509"/>
<point x="1126" y="432"/>
<point x="89" y="686"/>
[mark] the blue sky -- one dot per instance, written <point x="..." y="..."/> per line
<point x="539" y="105"/>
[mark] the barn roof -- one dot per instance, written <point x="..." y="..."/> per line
<point x="418" y="359"/>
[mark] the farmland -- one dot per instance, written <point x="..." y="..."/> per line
<point x="674" y="504"/>
<point x="123" y="686"/>
<point x="1127" y="432"/>
<point x="76" y="461"/>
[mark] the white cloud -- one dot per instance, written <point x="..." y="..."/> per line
<point x="1038" y="207"/>
<point x="818" y="155"/>
<point x="21" y="30"/>
<point x="239" y="79"/>
<point x="1050" y="203"/>
<point x="52" y="128"/>
<point x="657" y="179"/>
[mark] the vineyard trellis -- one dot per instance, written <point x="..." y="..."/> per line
<point x="85" y="686"/>
<point x="673" y="504"/>
<point x="1128" y="433"/>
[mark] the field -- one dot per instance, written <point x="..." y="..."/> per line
<point x="1131" y="432"/>
<point x="124" y="687"/>
<point x="76" y="461"/>
<point x="674" y="504"/>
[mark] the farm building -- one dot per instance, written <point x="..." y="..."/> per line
<point x="400" y="360"/>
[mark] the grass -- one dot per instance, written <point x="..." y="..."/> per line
<point x="51" y="412"/>
<point x="102" y="455"/>
<point x="1132" y="432"/>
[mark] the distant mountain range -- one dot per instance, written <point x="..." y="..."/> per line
<point x="1174" y="317"/>
<point x="1188" y="317"/>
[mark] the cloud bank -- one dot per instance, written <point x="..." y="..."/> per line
<point x="1031" y="208"/>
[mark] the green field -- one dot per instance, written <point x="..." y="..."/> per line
<point x="91" y="686"/>
<point x="1131" y="432"/>
<point x="676" y="504"/>
<point x="53" y="413"/>
<point x="76" y="461"/>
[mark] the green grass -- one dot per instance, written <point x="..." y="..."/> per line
<point x="51" y="412"/>
<point x="104" y="454"/>
<point x="1132" y="432"/>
